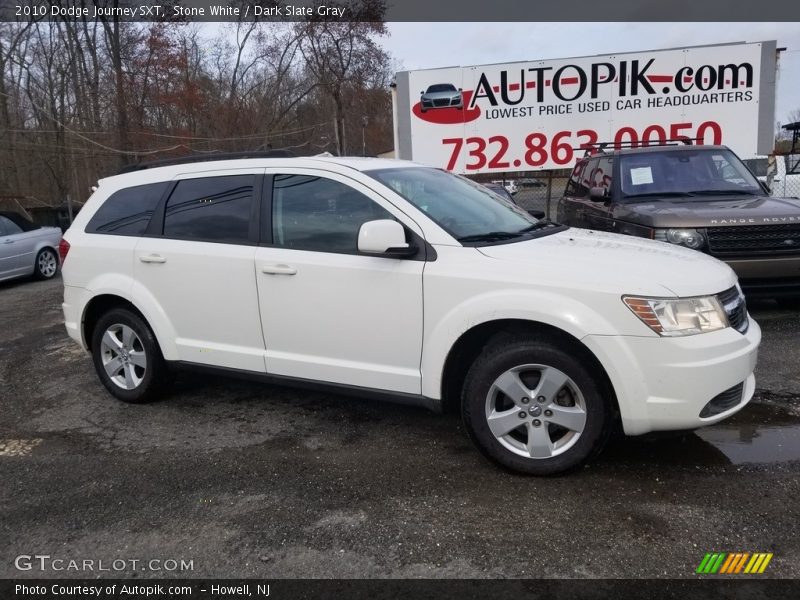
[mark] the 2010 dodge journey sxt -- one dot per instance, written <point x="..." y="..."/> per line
<point x="397" y="281"/>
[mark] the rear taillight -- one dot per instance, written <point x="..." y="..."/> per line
<point x="63" y="249"/>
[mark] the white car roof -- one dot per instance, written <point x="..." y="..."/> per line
<point x="166" y="173"/>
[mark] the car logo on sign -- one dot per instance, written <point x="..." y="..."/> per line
<point x="789" y="242"/>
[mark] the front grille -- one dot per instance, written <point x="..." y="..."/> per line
<point x="753" y="239"/>
<point x="444" y="102"/>
<point x="724" y="401"/>
<point x="735" y="308"/>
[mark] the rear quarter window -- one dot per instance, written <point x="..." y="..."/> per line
<point x="127" y="211"/>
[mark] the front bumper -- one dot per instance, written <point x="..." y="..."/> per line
<point x="769" y="273"/>
<point x="663" y="384"/>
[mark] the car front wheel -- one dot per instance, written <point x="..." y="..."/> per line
<point x="533" y="408"/>
<point x="127" y="357"/>
<point x="46" y="264"/>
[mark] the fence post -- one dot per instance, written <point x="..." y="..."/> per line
<point x="69" y="207"/>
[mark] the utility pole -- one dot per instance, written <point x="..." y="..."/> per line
<point x="364" y="121"/>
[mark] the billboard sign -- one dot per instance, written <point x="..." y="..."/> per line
<point x="542" y="114"/>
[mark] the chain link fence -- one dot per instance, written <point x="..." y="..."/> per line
<point x="781" y="172"/>
<point x="535" y="190"/>
<point x="784" y="178"/>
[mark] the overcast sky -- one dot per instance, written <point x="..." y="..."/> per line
<point x="430" y="45"/>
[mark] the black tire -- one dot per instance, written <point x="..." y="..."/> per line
<point x="510" y="351"/>
<point x="46" y="265"/>
<point x="154" y="376"/>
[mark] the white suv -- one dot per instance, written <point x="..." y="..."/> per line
<point x="396" y="281"/>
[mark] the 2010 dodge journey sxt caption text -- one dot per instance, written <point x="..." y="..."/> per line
<point x="397" y="281"/>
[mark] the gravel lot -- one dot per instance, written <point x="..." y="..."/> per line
<point x="248" y="480"/>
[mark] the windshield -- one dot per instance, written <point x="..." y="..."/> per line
<point x="685" y="172"/>
<point x="459" y="206"/>
<point x="441" y="87"/>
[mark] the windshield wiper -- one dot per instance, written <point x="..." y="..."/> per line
<point x="723" y="192"/>
<point x="653" y="194"/>
<point x="540" y="225"/>
<point x="491" y="236"/>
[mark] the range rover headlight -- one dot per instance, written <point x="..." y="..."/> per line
<point x="671" y="317"/>
<point x="690" y="238"/>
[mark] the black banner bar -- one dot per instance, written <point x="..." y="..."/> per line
<point x="403" y="10"/>
<point x="706" y="588"/>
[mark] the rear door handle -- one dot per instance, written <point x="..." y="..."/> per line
<point x="278" y="270"/>
<point x="153" y="258"/>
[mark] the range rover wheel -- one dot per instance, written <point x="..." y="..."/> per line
<point x="127" y="357"/>
<point x="533" y="408"/>
<point x="46" y="265"/>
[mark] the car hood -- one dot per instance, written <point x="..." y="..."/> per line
<point x="713" y="211"/>
<point x="440" y="95"/>
<point x="616" y="263"/>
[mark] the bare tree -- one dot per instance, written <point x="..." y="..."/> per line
<point x="340" y="56"/>
<point x="79" y="98"/>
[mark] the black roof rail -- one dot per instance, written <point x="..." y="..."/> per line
<point x="600" y="147"/>
<point x="179" y="160"/>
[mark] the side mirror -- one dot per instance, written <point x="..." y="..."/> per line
<point x="384" y="237"/>
<point x="422" y="92"/>
<point x="598" y="193"/>
<point x="460" y="90"/>
<point x="537" y="214"/>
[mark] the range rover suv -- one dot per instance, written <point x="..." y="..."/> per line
<point x="698" y="197"/>
<point x="395" y="281"/>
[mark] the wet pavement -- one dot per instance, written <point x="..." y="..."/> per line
<point x="244" y="479"/>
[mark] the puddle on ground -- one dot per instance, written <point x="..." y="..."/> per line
<point x="759" y="434"/>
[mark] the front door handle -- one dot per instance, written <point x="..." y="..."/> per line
<point x="153" y="258"/>
<point x="8" y="241"/>
<point x="278" y="270"/>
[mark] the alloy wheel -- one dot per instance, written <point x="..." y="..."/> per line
<point x="47" y="264"/>
<point x="535" y="411"/>
<point x="123" y="356"/>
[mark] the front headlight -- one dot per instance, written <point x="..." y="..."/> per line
<point x="691" y="238"/>
<point x="672" y="317"/>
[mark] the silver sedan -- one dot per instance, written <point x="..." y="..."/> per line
<point x="26" y="248"/>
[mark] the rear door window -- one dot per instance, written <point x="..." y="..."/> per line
<point x="211" y="209"/>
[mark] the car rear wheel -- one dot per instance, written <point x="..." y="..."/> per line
<point x="46" y="265"/>
<point x="533" y="408"/>
<point x="127" y="357"/>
